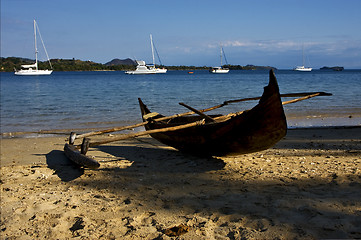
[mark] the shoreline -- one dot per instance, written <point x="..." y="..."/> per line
<point x="66" y="132"/>
<point x="306" y="187"/>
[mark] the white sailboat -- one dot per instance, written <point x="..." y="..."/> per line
<point x="32" y="69"/>
<point x="142" y="68"/>
<point x="303" y="68"/>
<point x="220" y="69"/>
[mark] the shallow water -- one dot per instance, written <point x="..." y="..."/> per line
<point x="68" y="100"/>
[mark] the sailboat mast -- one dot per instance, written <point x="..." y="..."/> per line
<point x="151" y="43"/>
<point x="36" y="49"/>
<point x="221" y="54"/>
<point x="303" y="56"/>
<point x="42" y="42"/>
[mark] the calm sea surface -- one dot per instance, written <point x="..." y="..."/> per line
<point x="73" y="100"/>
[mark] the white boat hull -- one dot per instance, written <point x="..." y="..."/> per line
<point x="219" y="70"/>
<point x="33" y="72"/>
<point x="161" y="70"/>
<point x="140" y="72"/>
<point x="303" y="69"/>
<point x="142" y="68"/>
<point x="149" y="71"/>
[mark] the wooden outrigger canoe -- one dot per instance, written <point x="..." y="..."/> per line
<point x="238" y="133"/>
<point x="242" y="132"/>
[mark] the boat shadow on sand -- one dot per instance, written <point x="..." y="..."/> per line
<point x="166" y="160"/>
<point x="65" y="169"/>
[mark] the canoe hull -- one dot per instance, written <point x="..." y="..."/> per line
<point x="253" y="130"/>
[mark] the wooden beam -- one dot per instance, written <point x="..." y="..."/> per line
<point x="282" y="95"/>
<point x="198" y="112"/>
<point x="133" y="135"/>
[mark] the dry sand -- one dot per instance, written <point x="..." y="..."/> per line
<point x="306" y="187"/>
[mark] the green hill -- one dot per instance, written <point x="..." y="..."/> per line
<point x="8" y="65"/>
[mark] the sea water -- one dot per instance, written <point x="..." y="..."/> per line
<point x="86" y="100"/>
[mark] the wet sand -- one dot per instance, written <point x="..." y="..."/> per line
<point x="308" y="186"/>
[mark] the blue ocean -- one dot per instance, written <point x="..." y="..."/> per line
<point x="96" y="100"/>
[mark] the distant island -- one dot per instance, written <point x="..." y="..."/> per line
<point x="10" y="63"/>
<point x="117" y="62"/>
<point x="249" y="67"/>
<point x="332" y="68"/>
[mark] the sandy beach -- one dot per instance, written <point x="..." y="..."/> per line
<point x="308" y="186"/>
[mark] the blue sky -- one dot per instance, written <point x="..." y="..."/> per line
<point x="259" y="32"/>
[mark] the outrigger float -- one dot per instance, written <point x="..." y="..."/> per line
<point x="242" y="132"/>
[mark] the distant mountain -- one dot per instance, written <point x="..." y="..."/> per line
<point x="116" y="62"/>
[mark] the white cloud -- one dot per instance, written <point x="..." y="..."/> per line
<point x="184" y="49"/>
<point x="327" y="47"/>
<point x="263" y="44"/>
